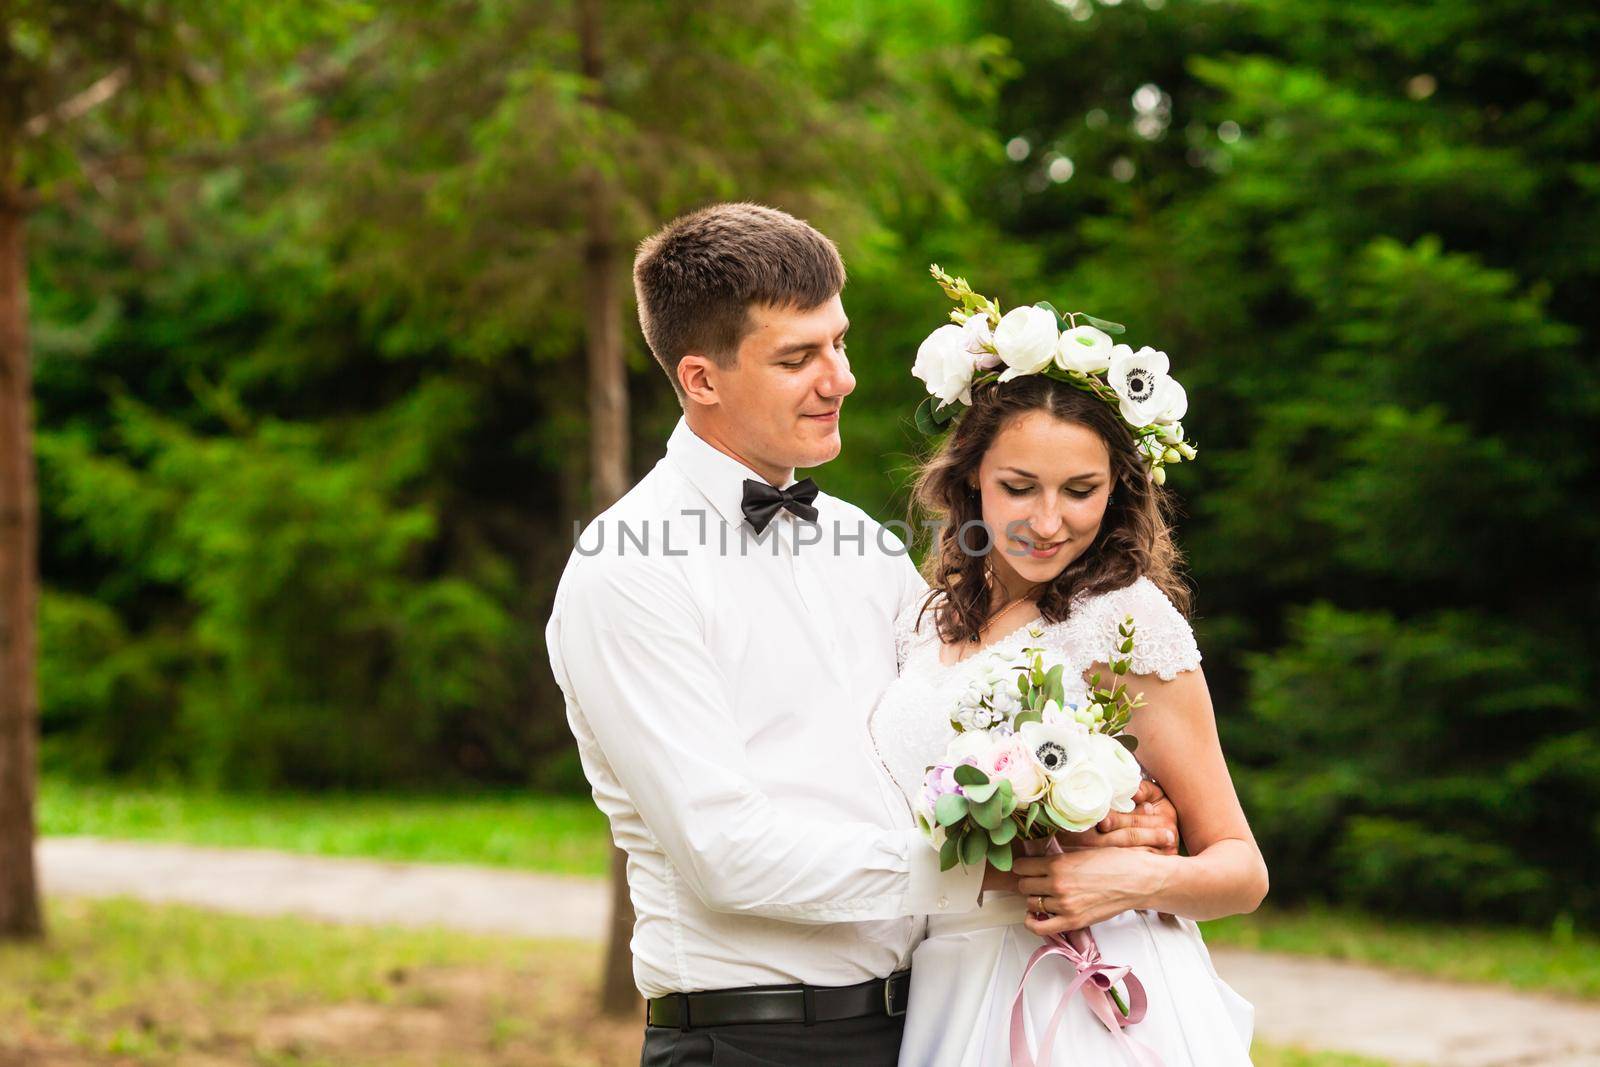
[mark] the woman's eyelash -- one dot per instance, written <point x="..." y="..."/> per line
<point x="1014" y="491"/>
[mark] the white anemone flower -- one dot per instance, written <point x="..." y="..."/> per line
<point x="1053" y="744"/>
<point x="1177" y="406"/>
<point x="1140" y="380"/>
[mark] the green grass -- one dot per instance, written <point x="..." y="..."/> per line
<point x="1563" y="963"/>
<point x="561" y="835"/>
<point x="567" y="835"/>
<point x="168" y="985"/>
<point x="175" y="985"/>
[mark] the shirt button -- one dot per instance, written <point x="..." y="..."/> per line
<point x="943" y="903"/>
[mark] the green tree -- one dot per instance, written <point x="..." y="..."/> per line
<point x="1365" y="234"/>
<point x="558" y="137"/>
<point x="133" y="71"/>
<point x="346" y="442"/>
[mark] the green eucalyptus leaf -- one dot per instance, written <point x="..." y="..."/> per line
<point x="1030" y="715"/>
<point x="1000" y="856"/>
<point x="1055" y="686"/>
<point x="950" y="809"/>
<point x="1102" y="324"/>
<point x="974" y="847"/>
<point x="989" y="814"/>
<point x="966" y="774"/>
<point x="978" y="794"/>
<point x="1003" y="833"/>
<point x="949" y="852"/>
<point x="924" y="416"/>
<point x="1129" y="742"/>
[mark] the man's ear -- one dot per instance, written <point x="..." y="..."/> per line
<point x="698" y="377"/>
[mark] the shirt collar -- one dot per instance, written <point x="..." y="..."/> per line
<point x="716" y="474"/>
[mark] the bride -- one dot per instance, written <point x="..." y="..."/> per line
<point x="1053" y="531"/>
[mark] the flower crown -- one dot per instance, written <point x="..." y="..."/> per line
<point x="957" y="358"/>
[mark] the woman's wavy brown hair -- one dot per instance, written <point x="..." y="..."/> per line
<point x="1135" y="537"/>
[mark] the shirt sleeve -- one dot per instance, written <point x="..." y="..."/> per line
<point x="626" y="646"/>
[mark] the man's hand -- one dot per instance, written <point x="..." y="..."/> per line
<point x="1151" y="825"/>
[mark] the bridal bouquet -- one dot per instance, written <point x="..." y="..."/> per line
<point x="1030" y="757"/>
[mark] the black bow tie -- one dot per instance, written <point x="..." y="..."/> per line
<point x="762" y="501"/>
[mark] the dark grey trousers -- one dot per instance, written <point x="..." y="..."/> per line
<point x="870" y="1041"/>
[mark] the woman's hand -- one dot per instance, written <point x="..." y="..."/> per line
<point x="1088" y="886"/>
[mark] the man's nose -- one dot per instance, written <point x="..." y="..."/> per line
<point x="837" y="381"/>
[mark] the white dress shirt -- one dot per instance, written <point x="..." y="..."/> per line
<point x="718" y="686"/>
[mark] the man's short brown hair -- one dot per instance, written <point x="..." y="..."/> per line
<point x="697" y="277"/>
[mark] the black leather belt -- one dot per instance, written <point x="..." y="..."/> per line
<point x="782" y="1004"/>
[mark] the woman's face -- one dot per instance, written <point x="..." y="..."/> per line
<point x="1044" y="484"/>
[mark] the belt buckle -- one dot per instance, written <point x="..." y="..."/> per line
<point x="888" y="999"/>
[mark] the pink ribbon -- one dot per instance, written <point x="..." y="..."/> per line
<point x="1094" y="980"/>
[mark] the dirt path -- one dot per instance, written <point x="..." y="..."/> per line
<point x="1319" y="1004"/>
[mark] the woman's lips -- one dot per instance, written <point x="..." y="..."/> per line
<point x="1040" y="553"/>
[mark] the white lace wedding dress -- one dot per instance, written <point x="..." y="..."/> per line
<point x="965" y="974"/>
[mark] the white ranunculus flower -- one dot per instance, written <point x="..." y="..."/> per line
<point x="1053" y="744"/>
<point x="973" y="745"/>
<point x="1081" y="794"/>
<point x="945" y="366"/>
<point x="1120" y="768"/>
<point x="1141" y="383"/>
<point x="1084" y="349"/>
<point x="1026" y="340"/>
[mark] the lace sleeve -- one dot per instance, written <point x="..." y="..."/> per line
<point x="905" y="629"/>
<point x="1163" y="641"/>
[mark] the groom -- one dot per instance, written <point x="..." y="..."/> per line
<point x="720" y="635"/>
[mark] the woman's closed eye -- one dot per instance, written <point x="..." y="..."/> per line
<point x="1024" y="490"/>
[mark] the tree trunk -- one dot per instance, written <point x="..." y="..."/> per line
<point x="20" y="915"/>
<point x="608" y="445"/>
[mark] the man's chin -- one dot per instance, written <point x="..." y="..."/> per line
<point x="819" y="454"/>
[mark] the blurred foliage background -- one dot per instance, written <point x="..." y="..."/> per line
<point x="310" y="414"/>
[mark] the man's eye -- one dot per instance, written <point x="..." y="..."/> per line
<point x="796" y="363"/>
